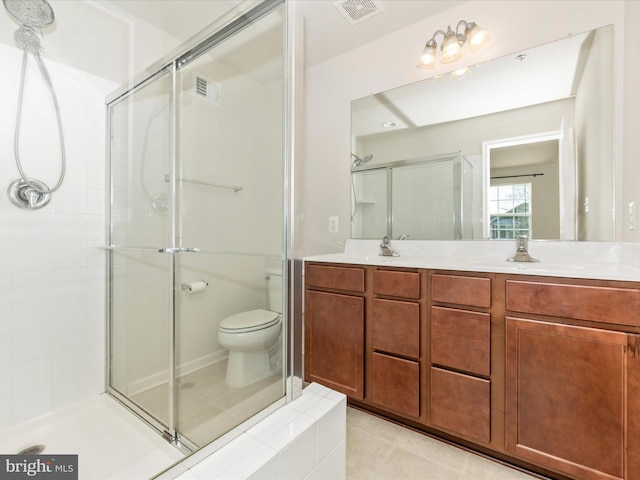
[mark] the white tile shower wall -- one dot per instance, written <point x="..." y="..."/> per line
<point x="51" y="267"/>
<point x="304" y="439"/>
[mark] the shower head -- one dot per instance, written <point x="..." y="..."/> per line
<point x="30" y="13"/>
<point x="358" y="162"/>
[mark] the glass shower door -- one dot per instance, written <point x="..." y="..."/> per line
<point x="141" y="271"/>
<point x="230" y="186"/>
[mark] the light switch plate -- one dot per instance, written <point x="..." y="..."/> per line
<point x="333" y="224"/>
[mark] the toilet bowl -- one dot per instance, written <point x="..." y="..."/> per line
<point x="249" y="336"/>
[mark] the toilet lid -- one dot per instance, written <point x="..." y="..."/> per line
<point x="251" y="320"/>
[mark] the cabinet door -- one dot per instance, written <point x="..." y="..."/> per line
<point x="461" y="404"/>
<point x="335" y="277"/>
<point x="396" y="284"/>
<point x="334" y="342"/>
<point x="633" y="408"/>
<point x="396" y="384"/>
<point x="566" y="397"/>
<point x="461" y="340"/>
<point x="471" y="291"/>
<point x="395" y="327"/>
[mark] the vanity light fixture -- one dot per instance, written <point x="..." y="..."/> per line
<point x="452" y="42"/>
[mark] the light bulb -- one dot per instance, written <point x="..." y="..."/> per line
<point x="451" y="48"/>
<point x="428" y="57"/>
<point x="477" y="37"/>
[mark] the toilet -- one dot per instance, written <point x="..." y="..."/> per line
<point x="250" y="337"/>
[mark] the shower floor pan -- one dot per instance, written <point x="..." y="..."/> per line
<point x="111" y="443"/>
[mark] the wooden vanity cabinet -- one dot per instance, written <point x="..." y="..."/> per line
<point x="566" y="397"/>
<point x="395" y="351"/>
<point x="334" y="327"/>
<point x="571" y="388"/>
<point x="541" y="371"/>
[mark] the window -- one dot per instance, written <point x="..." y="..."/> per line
<point x="510" y="210"/>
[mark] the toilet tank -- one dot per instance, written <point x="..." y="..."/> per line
<point x="274" y="286"/>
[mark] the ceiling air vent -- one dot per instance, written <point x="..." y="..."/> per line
<point x="356" y="11"/>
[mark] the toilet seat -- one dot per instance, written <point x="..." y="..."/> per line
<point x="250" y="321"/>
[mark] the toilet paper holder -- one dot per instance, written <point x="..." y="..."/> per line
<point x="194" y="287"/>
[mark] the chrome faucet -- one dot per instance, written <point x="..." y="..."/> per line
<point x="522" y="250"/>
<point x="386" y="248"/>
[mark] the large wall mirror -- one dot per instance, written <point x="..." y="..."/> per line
<point x="520" y="145"/>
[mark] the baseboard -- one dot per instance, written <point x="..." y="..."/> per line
<point x="160" y="378"/>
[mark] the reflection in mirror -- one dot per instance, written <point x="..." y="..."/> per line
<point x="534" y="129"/>
<point x="428" y="199"/>
<point x="515" y="172"/>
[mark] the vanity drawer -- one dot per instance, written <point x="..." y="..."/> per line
<point x="461" y="404"/>
<point x="338" y="278"/>
<point x="396" y="284"/>
<point x="396" y="384"/>
<point x="580" y="302"/>
<point x="471" y="291"/>
<point x="461" y="340"/>
<point x="396" y="327"/>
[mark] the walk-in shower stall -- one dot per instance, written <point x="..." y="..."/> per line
<point x="422" y="199"/>
<point x="197" y="227"/>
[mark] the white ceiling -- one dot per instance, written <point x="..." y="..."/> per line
<point x="547" y="74"/>
<point x="327" y="32"/>
<point x="90" y="35"/>
<point x="94" y="35"/>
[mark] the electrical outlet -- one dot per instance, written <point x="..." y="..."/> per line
<point x="632" y="215"/>
<point x="333" y="224"/>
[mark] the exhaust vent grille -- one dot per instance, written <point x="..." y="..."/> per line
<point x="356" y="11"/>
<point x="201" y="86"/>
<point x="206" y="89"/>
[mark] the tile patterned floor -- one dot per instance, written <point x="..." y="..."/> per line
<point x="381" y="450"/>
<point x="207" y="406"/>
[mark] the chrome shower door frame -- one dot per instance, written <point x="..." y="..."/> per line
<point x="164" y="425"/>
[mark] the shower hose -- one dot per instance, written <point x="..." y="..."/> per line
<point x="45" y="75"/>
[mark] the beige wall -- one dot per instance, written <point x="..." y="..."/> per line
<point x="390" y="62"/>
<point x="593" y="146"/>
<point x="629" y="176"/>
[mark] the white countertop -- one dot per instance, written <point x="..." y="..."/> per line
<point x="595" y="260"/>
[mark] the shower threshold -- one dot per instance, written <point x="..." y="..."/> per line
<point x="89" y="429"/>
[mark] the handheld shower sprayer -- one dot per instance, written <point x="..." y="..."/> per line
<point x="358" y="162"/>
<point x="32" y="15"/>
